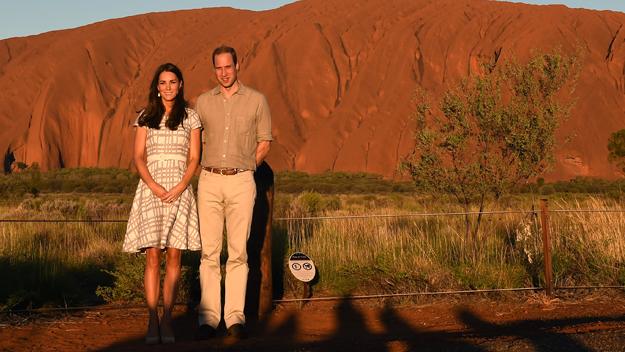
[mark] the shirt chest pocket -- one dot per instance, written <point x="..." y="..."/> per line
<point x="244" y="125"/>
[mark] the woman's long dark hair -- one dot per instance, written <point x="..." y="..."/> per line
<point x="153" y="113"/>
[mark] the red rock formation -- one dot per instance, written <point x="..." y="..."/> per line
<point x="338" y="76"/>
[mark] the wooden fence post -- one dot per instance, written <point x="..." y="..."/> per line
<point x="546" y="247"/>
<point x="266" y="288"/>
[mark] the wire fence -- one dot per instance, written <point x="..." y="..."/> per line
<point x="61" y="221"/>
<point x="348" y="216"/>
<point x="544" y="212"/>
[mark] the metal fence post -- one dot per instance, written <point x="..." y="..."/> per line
<point x="546" y="247"/>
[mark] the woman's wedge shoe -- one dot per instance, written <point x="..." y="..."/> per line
<point x="168" y="339"/>
<point x="153" y="340"/>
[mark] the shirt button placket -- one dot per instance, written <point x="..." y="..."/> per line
<point x="227" y="130"/>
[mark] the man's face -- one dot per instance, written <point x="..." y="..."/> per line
<point x="226" y="70"/>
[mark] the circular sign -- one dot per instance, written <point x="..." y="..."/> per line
<point x="302" y="267"/>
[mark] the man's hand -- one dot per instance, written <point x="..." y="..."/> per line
<point x="261" y="151"/>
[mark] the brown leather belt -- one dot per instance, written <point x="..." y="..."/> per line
<point x="225" y="172"/>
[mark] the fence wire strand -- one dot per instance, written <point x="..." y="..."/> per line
<point x="318" y="299"/>
<point x="357" y="216"/>
<point x="43" y="310"/>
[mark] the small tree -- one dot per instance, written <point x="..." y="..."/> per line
<point x="492" y="132"/>
<point x="616" y="148"/>
<point x="34" y="183"/>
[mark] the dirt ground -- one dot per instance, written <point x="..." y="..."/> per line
<point x="529" y="322"/>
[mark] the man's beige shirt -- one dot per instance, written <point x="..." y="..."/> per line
<point x="233" y="129"/>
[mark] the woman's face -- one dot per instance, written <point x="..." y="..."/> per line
<point x="168" y="86"/>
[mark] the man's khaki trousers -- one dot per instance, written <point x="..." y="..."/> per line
<point x="230" y="198"/>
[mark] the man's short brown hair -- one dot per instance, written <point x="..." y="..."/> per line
<point x="225" y="50"/>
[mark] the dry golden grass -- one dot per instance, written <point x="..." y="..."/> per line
<point x="352" y="255"/>
<point x="381" y="255"/>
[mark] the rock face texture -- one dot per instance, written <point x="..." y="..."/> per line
<point x="338" y="76"/>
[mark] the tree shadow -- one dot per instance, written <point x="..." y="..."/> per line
<point x="348" y="328"/>
<point x="535" y="331"/>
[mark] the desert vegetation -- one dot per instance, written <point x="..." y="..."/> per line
<point x="58" y="264"/>
<point x="430" y="253"/>
<point x="492" y="132"/>
<point x="475" y="152"/>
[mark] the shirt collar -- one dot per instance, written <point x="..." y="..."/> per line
<point x="241" y="90"/>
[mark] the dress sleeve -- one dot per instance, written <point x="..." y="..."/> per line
<point x="136" y="124"/>
<point x="195" y="109"/>
<point x="194" y="120"/>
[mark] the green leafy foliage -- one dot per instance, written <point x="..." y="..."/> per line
<point x="128" y="277"/>
<point x="492" y="132"/>
<point x="338" y="182"/>
<point x="35" y="178"/>
<point x="616" y="148"/>
<point x="12" y="188"/>
<point x="128" y="287"/>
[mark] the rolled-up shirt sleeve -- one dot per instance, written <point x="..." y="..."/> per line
<point x="263" y="122"/>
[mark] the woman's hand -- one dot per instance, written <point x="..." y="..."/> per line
<point x="159" y="191"/>
<point x="174" y="193"/>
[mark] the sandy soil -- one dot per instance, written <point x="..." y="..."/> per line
<point x="528" y="323"/>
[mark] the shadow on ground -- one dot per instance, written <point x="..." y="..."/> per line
<point x="347" y="329"/>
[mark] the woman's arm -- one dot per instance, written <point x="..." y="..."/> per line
<point x="192" y="163"/>
<point x="142" y="167"/>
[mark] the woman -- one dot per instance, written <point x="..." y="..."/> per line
<point x="164" y="213"/>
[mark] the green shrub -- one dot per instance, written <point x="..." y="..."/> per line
<point x="281" y="206"/>
<point x="128" y="279"/>
<point x="312" y="201"/>
<point x="370" y="198"/>
<point x="285" y="174"/>
<point x="69" y="186"/>
<point x="15" y="187"/>
<point x="52" y="185"/>
<point x="81" y="189"/>
<point x="128" y="286"/>
<point x="359" y="189"/>
<point x="333" y="203"/>
<point x="396" y="199"/>
<point x="110" y="189"/>
<point x="547" y="190"/>
<point x="289" y="188"/>
<point x="340" y="175"/>
<point x="354" y="201"/>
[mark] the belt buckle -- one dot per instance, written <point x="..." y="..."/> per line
<point x="221" y="172"/>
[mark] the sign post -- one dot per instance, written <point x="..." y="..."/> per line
<point x="303" y="268"/>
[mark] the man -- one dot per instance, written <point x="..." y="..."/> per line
<point x="236" y="138"/>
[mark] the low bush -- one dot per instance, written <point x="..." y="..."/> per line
<point x="81" y="189"/>
<point x="110" y="189"/>
<point x="338" y="182"/>
<point x="128" y="279"/>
